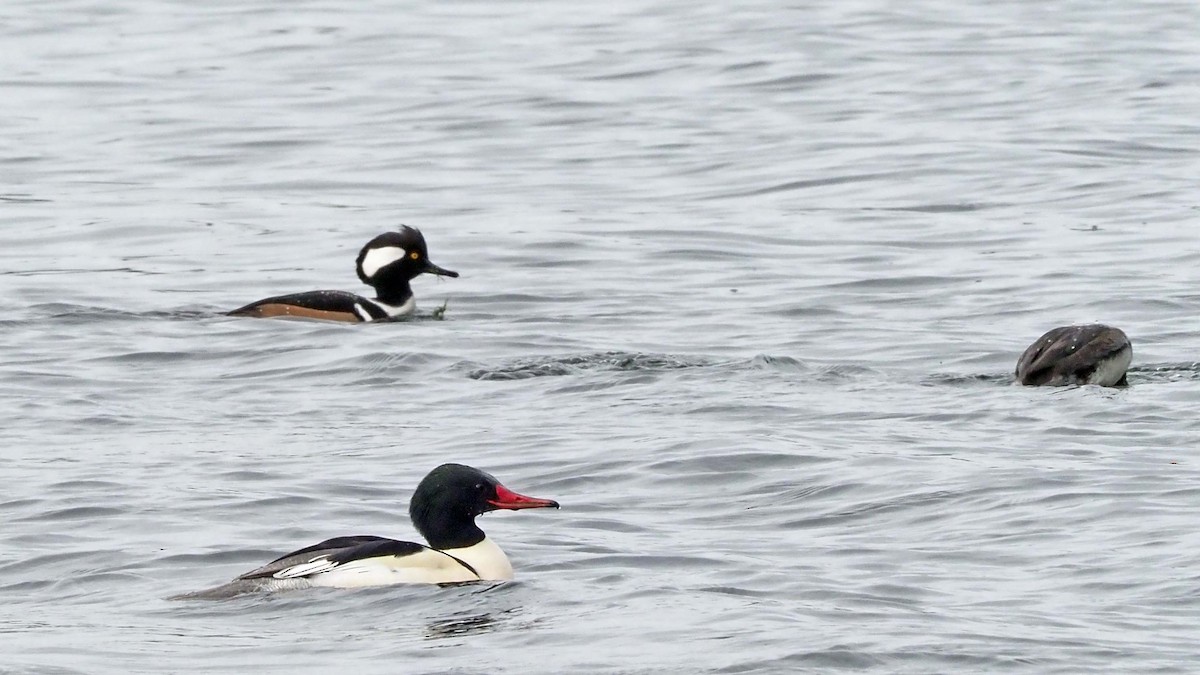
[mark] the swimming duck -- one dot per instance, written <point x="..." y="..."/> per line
<point x="387" y="263"/>
<point x="443" y="508"/>
<point x="1088" y="354"/>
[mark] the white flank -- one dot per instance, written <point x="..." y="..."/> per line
<point x="1110" y="371"/>
<point x="424" y="567"/>
<point x="378" y="258"/>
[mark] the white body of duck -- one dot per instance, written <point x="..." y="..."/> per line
<point x="443" y="509"/>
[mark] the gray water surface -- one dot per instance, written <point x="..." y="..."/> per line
<point x="742" y="287"/>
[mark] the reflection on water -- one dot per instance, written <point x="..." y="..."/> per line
<point x="465" y="625"/>
<point x="1164" y="372"/>
<point x="563" y="365"/>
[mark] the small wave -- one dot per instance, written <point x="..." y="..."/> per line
<point x="13" y="198"/>
<point x="75" y="314"/>
<point x="1147" y="374"/>
<point x="615" y="361"/>
<point x="949" y="207"/>
<point x="79" y="314"/>
<point x="823" y="373"/>
<point x="956" y="380"/>
<point x="1165" y="372"/>
<point x="559" y="366"/>
<point x="798" y="82"/>
<point x="795" y="185"/>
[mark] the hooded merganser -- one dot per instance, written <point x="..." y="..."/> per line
<point x="1090" y="354"/>
<point x="387" y="263"/>
<point x="443" y="509"/>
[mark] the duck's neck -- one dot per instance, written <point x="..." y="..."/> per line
<point x="445" y="529"/>
<point x="395" y="293"/>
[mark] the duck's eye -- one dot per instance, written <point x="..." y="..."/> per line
<point x="415" y="255"/>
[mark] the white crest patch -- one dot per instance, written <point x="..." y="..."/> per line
<point x="378" y="258"/>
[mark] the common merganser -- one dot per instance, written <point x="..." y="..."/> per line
<point x="443" y="509"/>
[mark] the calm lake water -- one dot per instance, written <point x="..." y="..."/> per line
<point x="742" y="287"/>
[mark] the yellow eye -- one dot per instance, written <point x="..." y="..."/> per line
<point x="415" y="255"/>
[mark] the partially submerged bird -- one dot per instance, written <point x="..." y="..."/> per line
<point x="387" y="263"/>
<point x="1090" y="354"/>
<point x="443" y="509"/>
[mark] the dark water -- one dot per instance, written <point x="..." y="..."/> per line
<point x="742" y="288"/>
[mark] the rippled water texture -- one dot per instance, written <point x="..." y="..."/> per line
<point x="742" y="286"/>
